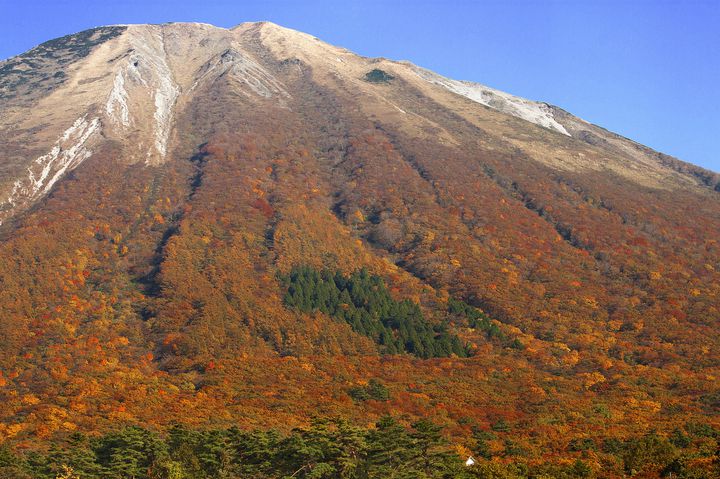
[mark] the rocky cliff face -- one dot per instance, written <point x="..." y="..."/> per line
<point x="158" y="182"/>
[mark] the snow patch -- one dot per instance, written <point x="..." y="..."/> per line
<point x="68" y="152"/>
<point x="151" y="69"/>
<point x="532" y="111"/>
<point x="146" y="80"/>
<point x="118" y="98"/>
<point x="166" y="94"/>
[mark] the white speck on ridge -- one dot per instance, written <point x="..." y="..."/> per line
<point x="532" y="111"/>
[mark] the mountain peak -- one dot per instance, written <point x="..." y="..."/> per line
<point x="132" y="81"/>
<point x="258" y="24"/>
<point x="208" y="226"/>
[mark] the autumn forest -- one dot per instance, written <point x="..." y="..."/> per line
<point x="325" y="287"/>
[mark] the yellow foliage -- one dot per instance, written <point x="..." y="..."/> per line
<point x="67" y="473"/>
<point x="69" y="426"/>
<point x="11" y="430"/>
<point x="571" y="358"/>
<point x="358" y="216"/>
<point x="591" y="301"/>
<point x="30" y="399"/>
<point x="591" y="379"/>
<point x="462" y="451"/>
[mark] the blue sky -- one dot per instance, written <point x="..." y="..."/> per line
<point x="649" y="70"/>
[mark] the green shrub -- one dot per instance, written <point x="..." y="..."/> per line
<point x="375" y="390"/>
<point x="378" y="76"/>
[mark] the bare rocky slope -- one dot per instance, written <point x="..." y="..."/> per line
<point x="129" y="83"/>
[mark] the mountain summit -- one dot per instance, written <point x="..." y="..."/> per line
<point x="130" y="84"/>
<point x="203" y="225"/>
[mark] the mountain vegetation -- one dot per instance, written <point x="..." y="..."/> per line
<point x="378" y="76"/>
<point x="363" y="301"/>
<point x="434" y="277"/>
<point x="334" y="448"/>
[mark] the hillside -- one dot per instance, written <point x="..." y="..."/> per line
<point x="497" y="263"/>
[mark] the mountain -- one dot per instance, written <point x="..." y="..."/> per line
<point x="212" y="226"/>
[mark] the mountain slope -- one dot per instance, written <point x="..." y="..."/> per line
<point x="158" y="191"/>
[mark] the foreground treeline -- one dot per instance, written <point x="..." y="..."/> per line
<point x="328" y="449"/>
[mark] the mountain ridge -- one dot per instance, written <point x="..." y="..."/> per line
<point x="167" y="93"/>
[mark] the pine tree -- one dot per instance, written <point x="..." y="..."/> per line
<point x="81" y="457"/>
<point x="389" y="450"/>
<point x="433" y="454"/>
<point x="12" y="466"/>
<point x="131" y="452"/>
<point x="363" y="301"/>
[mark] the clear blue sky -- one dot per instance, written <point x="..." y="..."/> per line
<point x="649" y="70"/>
